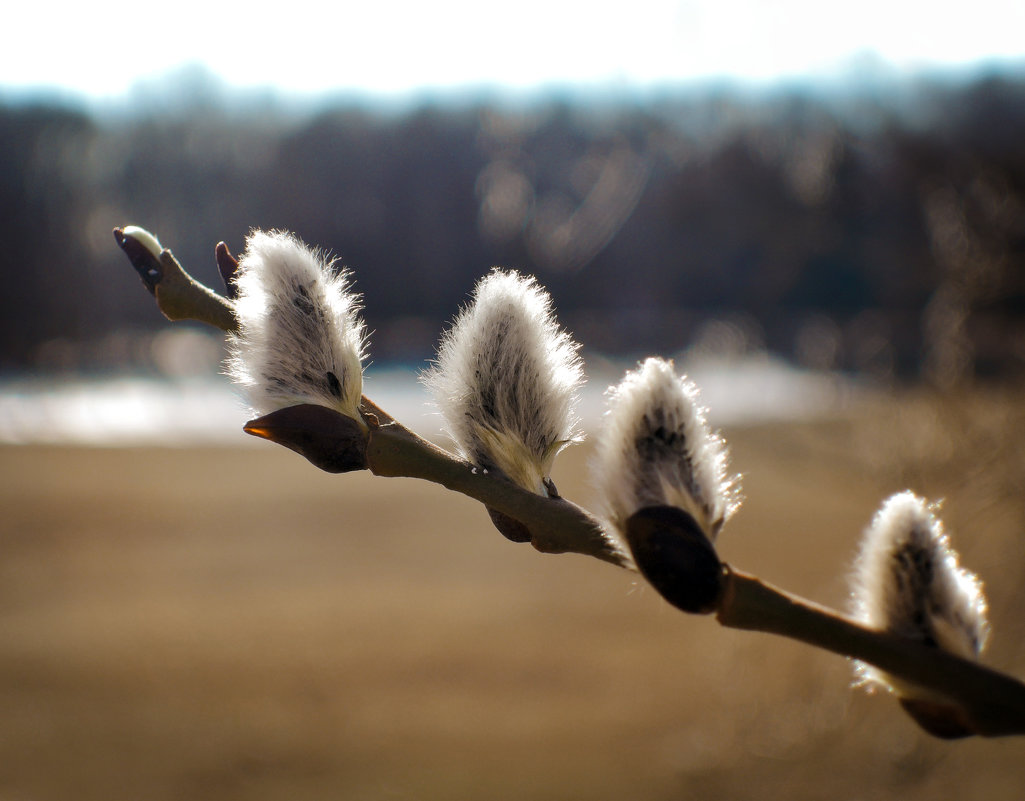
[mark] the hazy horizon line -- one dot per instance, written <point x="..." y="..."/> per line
<point x="195" y="85"/>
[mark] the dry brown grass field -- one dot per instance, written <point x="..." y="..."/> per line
<point x="233" y="624"/>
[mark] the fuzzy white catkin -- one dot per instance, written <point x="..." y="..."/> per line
<point x="506" y="378"/>
<point x="908" y="581"/>
<point x="300" y="339"/>
<point x="655" y="448"/>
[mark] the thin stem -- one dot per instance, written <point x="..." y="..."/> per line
<point x="993" y="702"/>
<point x="182" y="297"/>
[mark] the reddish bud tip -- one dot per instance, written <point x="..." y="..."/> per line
<point x="227" y="266"/>
<point x="328" y="439"/>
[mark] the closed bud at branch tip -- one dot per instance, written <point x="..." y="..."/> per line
<point x="300" y="339"/>
<point x="143" y="251"/>
<point x="144" y="238"/>
<point x="908" y="581"/>
<point x="505" y="380"/>
<point x="655" y="449"/>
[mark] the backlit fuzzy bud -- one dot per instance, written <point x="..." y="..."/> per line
<point x="908" y="582"/>
<point x="656" y="449"/>
<point x="300" y="339"/>
<point x="506" y="379"/>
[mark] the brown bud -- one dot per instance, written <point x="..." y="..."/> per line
<point x="146" y="263"/>
<point x="675" y="556"/>
<point x="946" y="721"/>
<point x="227" y="266"/>
<point x="328" y="439"/>
<point x="510" y="527"/>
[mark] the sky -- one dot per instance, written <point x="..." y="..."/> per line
<point x="103" y="49"/>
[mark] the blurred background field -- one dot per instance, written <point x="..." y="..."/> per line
<point x="817" y="210"/>
<point x="229" y="623"/>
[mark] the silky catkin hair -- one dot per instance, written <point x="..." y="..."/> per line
<point x="908" y="581"/>
<point x="506" y="379"/>
<point x="655" y="448"/>
<point x="300" y="338"/>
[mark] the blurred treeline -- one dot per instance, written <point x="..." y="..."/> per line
<point x="877" y="229"/>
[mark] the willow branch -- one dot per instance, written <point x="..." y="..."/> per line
<point x="984" y="701"/>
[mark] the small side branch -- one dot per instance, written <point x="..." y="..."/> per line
<point x="179" y="296"/>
